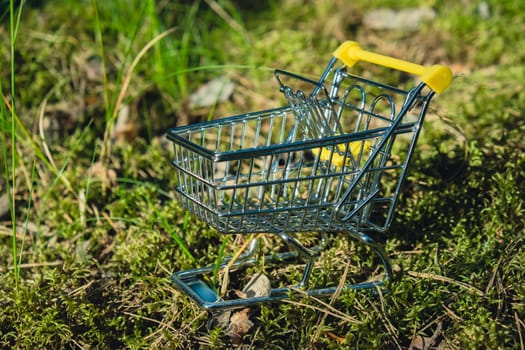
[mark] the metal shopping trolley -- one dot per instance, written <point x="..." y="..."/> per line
<point x="332" y="160"/>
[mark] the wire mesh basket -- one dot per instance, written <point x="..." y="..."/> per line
<point x="333" y="159"/>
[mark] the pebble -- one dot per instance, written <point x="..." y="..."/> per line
<point x="405" y="19"/>
<point x="214" y="91"/>
<point x="484" y="10"/>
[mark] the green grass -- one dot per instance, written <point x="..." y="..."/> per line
<point x="92" y="231"/>
<point x="8" y="128"/>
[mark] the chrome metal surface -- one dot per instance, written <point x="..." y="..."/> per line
<point x="333" y="159"/>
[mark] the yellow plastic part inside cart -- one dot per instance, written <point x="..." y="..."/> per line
<point x="337" y="157"/>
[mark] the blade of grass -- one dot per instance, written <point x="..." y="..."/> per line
<point x="45" y="147"/>
<point x="14" y="25"/>
<point x="89" y="178"/>
<point x="24" y="134"/>
<point x="218" y="262"/>
<point x="166" y="225"/>
<point x="26" y="222"/>
<point x="106" y="151"/>
<point x="226" y="271"/>
<point x="7" y="137"/>
<point x="69" y="156"/>
<point x="217" y="67"/>
<point x="180" y="242"/>
<point x="183" y="54"/>
<point x="322" y="319"/>
<point x="11" y="186"/>
<point x="221" y="12"/>
<point x="439" y="278"/>
<point x="129" y="72"/>
<point x="98" y="29"/>
<point x="159" y="67"/>
<point x="112" y="109"/>
<point x="519" y="326"/>
<point x="111" y="103"/>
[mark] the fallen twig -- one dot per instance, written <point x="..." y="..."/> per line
<point x="434" y="277"/>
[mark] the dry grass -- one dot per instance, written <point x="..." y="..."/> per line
<point x="96" y="243"/>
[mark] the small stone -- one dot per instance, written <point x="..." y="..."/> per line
<point x="405" y="19"/>
<point x="211" y="93"/>
<point x="484" y="10"/>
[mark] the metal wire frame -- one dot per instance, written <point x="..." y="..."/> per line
<point x="293" y="169"/>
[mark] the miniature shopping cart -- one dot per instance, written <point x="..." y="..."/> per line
<point x="332" y="160"/>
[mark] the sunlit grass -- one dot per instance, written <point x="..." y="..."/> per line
<point x="88" y="250"/>
<point x="9" y="133"/>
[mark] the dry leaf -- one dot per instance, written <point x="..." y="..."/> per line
<point x="221" y="320"/>
<point x="241" y="294"/>
<point x="420" y="343"/>
<point x="240" y="324"/>
<point x="425" y="343"/>
<point x="258" y="286"/>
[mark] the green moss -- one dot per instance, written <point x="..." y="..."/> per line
<point x="98" y="252"/>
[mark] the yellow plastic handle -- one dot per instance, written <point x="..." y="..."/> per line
<point x="437" y="77"/>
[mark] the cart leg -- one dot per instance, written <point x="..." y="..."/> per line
<point x="248" y="254"/>
<point x="306" y="253"/>
<point x="380" y="252"/>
